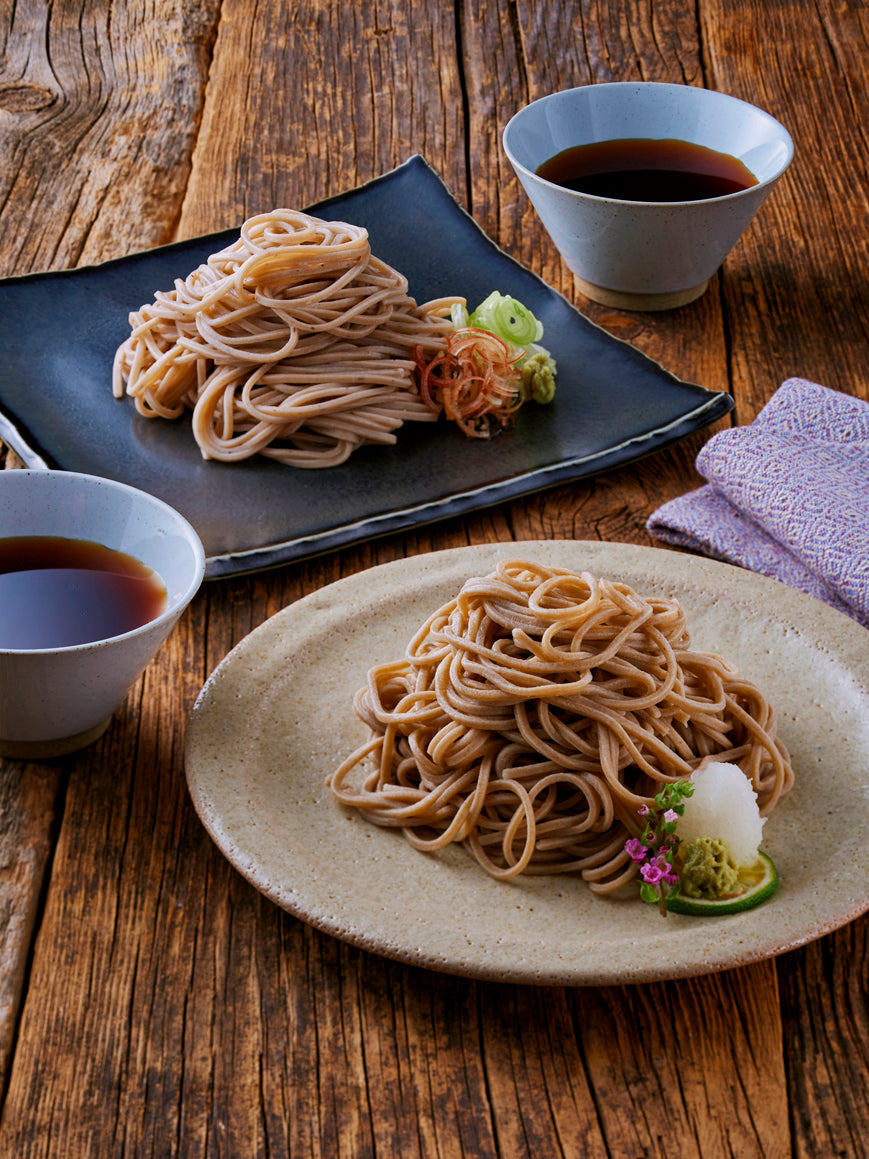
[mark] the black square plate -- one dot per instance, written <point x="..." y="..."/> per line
<point x="59" y="332"/>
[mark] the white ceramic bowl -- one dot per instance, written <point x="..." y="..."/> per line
<point x="635" y="254"/>
<point x="54" y="701"/>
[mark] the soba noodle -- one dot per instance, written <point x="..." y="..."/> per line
<point x="534" y="713"/>
<point x="294" y="342"/>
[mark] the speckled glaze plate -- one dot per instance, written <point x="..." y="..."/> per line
<point x="59" y="332"/>
<point x="275" y="718"/>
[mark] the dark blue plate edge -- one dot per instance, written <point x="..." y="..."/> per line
<point x="575" y="470"/>
<point x="714" y="405"/>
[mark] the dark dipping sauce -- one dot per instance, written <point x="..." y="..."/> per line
<point x="55" y="592"/>
<point x="640" y="169"/>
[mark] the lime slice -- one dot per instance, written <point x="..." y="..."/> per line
<point x="760" y="883"/>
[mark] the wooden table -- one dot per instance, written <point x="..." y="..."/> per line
<point x="151" y="1002"/>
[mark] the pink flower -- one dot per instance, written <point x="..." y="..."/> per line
<point x="651" y="872"/>
<point x="671" y="815"/>
<point x="635" y="849"/>
<point x="644" y="810"/>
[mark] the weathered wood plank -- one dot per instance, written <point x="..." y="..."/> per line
<point x="795" y="287"/>
<point x="92" y="169"/>
<point x="825" y="1001"/>
<point x="669" y="1045"/>
<point x="99" y="112"/>
<point x="98" y="927"/>
<point x="796" y="305"/>
<point x="344" y="93"/>
<point x="31" y="802"/>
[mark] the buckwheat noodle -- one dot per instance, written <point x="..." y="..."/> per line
<point x="534" y="713"/>
<point x="294" y="342"/>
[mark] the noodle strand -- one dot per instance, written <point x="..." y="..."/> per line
<point x="534" y="714"/>
<point x="293" y="342"/>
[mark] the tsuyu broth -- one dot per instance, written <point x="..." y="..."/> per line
<point x="57" y="592"/>
<point x="641" y="169"/>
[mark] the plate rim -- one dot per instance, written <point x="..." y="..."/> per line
<point x="810" y="615"/>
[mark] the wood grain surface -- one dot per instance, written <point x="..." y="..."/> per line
<point x="152" y="1003"/>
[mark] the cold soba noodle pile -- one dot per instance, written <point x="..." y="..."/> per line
<point x="294" y="342"/>
<point x="535" y="712"/>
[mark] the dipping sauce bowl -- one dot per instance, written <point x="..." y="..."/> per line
<point x="55" y="700"/>
<point x="645" y="255"/>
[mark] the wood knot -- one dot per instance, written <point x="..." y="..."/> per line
<point x="25" y="98"/>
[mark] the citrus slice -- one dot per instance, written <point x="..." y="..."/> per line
<point x="760" y="883"/>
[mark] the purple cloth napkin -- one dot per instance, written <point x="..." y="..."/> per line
<point x="787" y="496"/>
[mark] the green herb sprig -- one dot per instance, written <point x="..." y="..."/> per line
<point x="655" y="849"/>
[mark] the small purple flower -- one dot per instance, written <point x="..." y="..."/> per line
<point x="651" y="873"/>
<point x="658" y="844"/>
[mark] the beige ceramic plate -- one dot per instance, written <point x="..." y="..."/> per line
<point x="275" y="718"/>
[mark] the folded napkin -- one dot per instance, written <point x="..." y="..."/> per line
<point x="787" y="496"/>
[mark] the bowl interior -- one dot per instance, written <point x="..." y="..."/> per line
<point x="60" y="503"/>
<point x="605" y="112"/>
